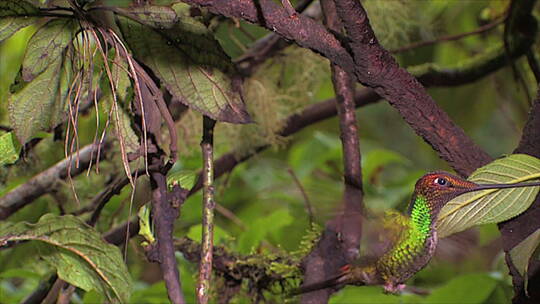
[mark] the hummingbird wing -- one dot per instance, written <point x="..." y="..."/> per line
<point x="380" y="234"/>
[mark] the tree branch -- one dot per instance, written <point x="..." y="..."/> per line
<point x="265" y="48"/>
<point x="373" y="66"/>
<point x="331" y="252"/>
<point x="514" y="231"/>
<point x="43" y="183"/>
<point x="165" y="208"/>
<point x="376" y="68"/>
<point x="205" y="267"/>
<point x="303" y="30"/>
<point x="234" y="268"/>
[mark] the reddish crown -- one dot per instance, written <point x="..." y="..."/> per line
<point x="440" y="187"/>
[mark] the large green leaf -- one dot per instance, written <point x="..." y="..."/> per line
<point x="190" y="64"/>
<point x="14" y="15"/>
<point x="77" y="252"/>
<point x="492" y="206"/>
<point x="155" y="16"/>
<point x="40" y="104"/>
<point x="45" y="46"/>
<point x="522" y="252"/>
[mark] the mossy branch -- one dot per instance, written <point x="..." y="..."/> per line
<point x="205" y="267"/>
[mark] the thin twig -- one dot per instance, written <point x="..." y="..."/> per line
<point x="230" y="215"/>
<point x="307" y="202"/>
<point x="446" y="38"/>
<point x="104" y="196"/>
<point x="205" y="266"/>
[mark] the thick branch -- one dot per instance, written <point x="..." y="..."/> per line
<point x="44" y="182"/>
<point x="372" y="66"/>
<point x="331" y="253"/>
<point x="265" y="48"/>
<point x="376" y="68"/>
<point x="303" y="30"/>
<point x="517" y="229"/>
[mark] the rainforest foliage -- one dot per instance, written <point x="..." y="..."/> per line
<point x="222" y="151"/>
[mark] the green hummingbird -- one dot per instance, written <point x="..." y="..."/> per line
<point x="413" y="236"/>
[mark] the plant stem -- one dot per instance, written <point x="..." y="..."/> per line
<point x="205" y="266"/>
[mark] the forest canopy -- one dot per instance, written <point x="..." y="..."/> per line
<point x="197" y="151"/>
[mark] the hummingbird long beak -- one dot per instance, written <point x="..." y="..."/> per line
<point x="502" y="186"/>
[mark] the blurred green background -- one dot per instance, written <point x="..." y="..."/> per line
<point x="267" y="207"/>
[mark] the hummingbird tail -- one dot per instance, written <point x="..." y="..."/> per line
<point x="337" y="280"/>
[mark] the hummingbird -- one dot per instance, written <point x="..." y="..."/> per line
<point x="413" y="237"/>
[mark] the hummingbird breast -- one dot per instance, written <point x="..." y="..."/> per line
<point x="406" y="258"/>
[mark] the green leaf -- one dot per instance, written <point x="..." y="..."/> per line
<point x="145" y="225"/>
<point x="14" y="16"/>
<point x="160" y="17"/>
<point x="522" y="252"/>
<point x="260" y="228"/>
<point x="469" y="288"/>
<point x="122" y="124"/>
<point x="182" y="177"/>
<point x="40" y="104"/>
<point x="45" y="46"/>
<point x="188" y="63"/>
<point x="77" y="252"/>
<point x="20" y="273"/>
<point x="492" y="206"/>
<point x="9" y="149"/>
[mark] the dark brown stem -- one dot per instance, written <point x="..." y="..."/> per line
<point x="164" y="215"/>
<point x="333" y="252"/>
<point x="350" y="221"/>
<point x="205" y="266"/>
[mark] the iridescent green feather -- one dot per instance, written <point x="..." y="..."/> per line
<point x="411" y="242"/>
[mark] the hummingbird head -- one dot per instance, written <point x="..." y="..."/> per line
<point x="438" y="188"/>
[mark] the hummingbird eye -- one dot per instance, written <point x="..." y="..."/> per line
<point x="441" y="181"/>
